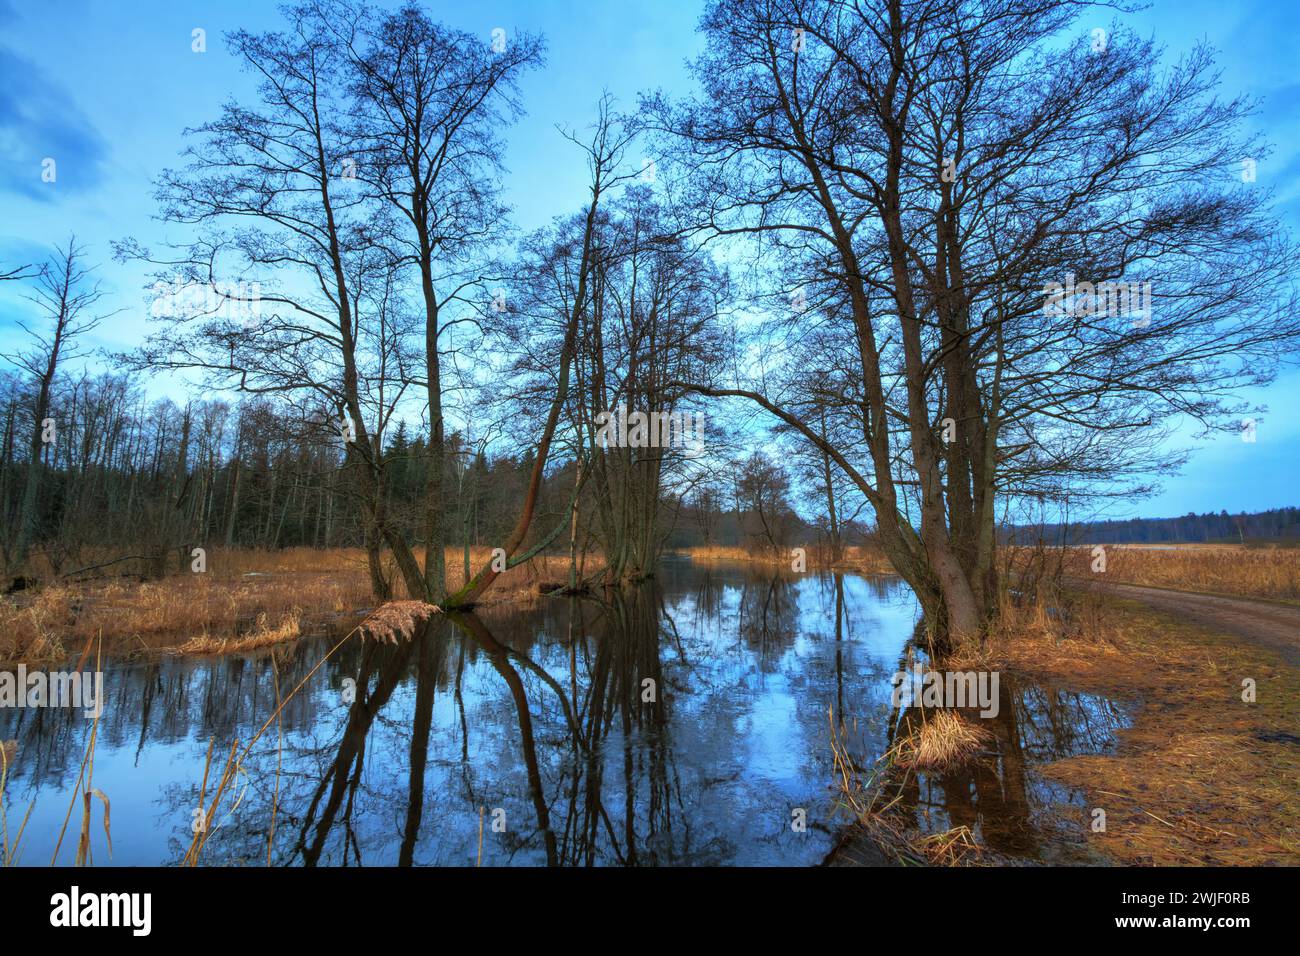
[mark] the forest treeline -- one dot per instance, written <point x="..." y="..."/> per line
<point x="880" y="242"/>
<point x="153" y="479"/>
<point x="145" y="482"/>
<point x="1277" y="525"/>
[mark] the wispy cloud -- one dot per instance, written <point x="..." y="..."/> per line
<point x="39" y="120"/>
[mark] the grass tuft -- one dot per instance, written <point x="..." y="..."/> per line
<point x="943" y="740"/>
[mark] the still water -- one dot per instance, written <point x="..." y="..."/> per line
<point x="686" y="722"/>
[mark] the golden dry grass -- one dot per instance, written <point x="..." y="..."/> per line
<point x="1202" y="777"/>
<point x="955" y="847"/>
<point x="396" y="621"/>
<point x="871" y="796"/>
<point x="228" y="604"/>
<point x="263" y="635"/>
<point x="1266" y="572"/>
<point x="942" y="740"/>
<point x="863" y="560"/>
<point x="245" y="599"/>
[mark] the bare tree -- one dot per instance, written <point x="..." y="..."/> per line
<point x="605" y="153"/>
<point x="924" y="169"/>
<point x="297" y="288"/>
<point x="763" y="489"/>
<point x="16" y="273"/>
<point x="429" y="103"/>
<point x="64" y="295"/>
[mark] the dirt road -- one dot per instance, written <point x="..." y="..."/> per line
<point x="1276" y="626"/>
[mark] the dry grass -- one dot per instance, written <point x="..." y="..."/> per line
<point x="396" y="621"/>
<point x="34" y="632"/>
<point x="240" y="598"/>
<point x="1201" y="777"/>
<point x="1266" y="572"/>
<point x="955" y="847"/>
<point x="233" y="768"/>
<point x="942" y="740"/>
<point x="245" y="599"/>
<point x="263" y="635"/>
<point x="866" y="795"/>
<point x="859" y="559"/>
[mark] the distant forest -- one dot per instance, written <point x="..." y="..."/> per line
<point x="1277" y="525"/>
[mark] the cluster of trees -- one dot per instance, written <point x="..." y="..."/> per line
<point x="142" y="481"/>
<point x="908" y="177"/>
<point x="892" y="185"/>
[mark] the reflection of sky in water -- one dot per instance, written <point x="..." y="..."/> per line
<point x="746" y="668"/>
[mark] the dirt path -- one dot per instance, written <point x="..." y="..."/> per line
<point x="1275" y="626"/>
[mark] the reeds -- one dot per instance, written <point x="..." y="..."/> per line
<point x="396" y="620"/>
<point x="232" y="770"/>
<point x="9" y="847"/>
<point x="83" y="856"/>
<point x="393" y="621"/>
<point x="872" y="795"/>
<point x="262" y="635"/>
<point x="942" y="740"/>
<point x="84" y="788"/>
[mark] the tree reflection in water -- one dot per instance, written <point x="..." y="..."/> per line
<point x="676" y="723"/>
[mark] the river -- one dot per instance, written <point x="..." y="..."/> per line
<point x="684" y="722"/>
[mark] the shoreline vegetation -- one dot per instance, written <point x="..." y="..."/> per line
<point x="1202" y="776"/>
<point x="1261" y="571"/>
<point x="855" y="559"/>
<point x="246" y="599"/>
<point x="251" y="598"/>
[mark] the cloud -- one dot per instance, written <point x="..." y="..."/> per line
<point x="39" y="120"/>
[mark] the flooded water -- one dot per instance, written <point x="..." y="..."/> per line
<point x="686" y="722"/>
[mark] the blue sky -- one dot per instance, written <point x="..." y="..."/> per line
<point x="107" y="88"/>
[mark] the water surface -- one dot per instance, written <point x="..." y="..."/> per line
<point x="685" y="722"/>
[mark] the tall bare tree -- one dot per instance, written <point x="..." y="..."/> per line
<point x="606" y="152"/>
<point x="924" y="169"/>
<point x="430" y="102"/>
<point x="296" y="286"/>
<point x="64" y="295"/>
